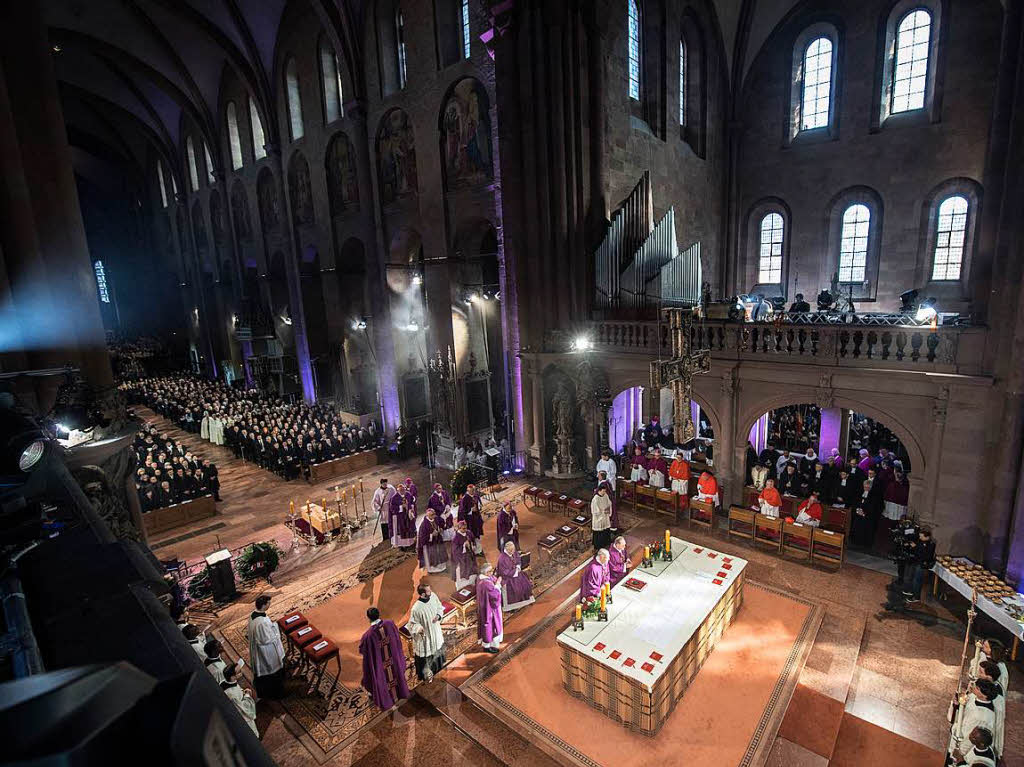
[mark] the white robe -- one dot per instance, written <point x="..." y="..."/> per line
<point x="204" y="427"/>
<point x="244" y="703"/>
<point x="600" y="513"/>
<point x="266" y="651"/>
<point x="381" y="502"/>
<point x="609" y="468"/>
<point x="197" y="645"/>
<point x="427" y="636"/>
<point x="971" y="714"/>
<point x="806" y="519"/>
<point x="656" y="478"/>
<point x="449" y="532"/>
<point x="216" y="669"/>
<point x="768" y="510"/>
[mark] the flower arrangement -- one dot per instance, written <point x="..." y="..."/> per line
<point x="199" y="587"/>
<point x="258" y="560"/>
<point x="591" y="608"/>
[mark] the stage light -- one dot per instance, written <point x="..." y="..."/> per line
<point x="417" y="279"/>
<point x="359" y="324"/>
<point x="582" y="344"/>
<point x="907" y="299"/>
<point x="926" y="311"/>
<point x="23" y="447"/>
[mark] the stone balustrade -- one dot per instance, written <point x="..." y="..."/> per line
<point x="943" y="350"/>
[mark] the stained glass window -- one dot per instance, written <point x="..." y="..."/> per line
<point x="853" y="243"/>
<point x="634" y="50"/>
<point x="770" y="263"/>
<point x="951" y="231"/>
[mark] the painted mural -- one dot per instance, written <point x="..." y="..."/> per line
<point x="396" y="151"/>
<point x="342" y="181"/>
<point x="240" y="212"/>
<point x="466" y="135"/>
<point x="266" y="196"/>
<point x="300" y="190"/>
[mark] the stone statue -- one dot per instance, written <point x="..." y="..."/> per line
<point x="563" y="411"/>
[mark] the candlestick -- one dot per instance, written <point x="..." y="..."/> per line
<point x="307" y="505"/>
<point x="337" y="489"/>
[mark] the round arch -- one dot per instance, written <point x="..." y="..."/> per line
<point x="752" y="412"/>
<point x="713" y="416"/>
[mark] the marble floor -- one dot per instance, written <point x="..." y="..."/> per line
<point x="868" y="669"/>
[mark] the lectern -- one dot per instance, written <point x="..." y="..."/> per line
<point x="222" y="579"/>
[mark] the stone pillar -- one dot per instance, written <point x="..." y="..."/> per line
<point x="933" y="458"/>
<point x="831" y="434"/>
<point x="732" y="448"/>
<point x="43" y="239"/>
<point x="537" y="396"/>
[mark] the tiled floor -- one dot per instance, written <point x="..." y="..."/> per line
<point x="890" y="672"/>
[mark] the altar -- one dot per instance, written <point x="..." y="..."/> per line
<point x="663" y="622"/>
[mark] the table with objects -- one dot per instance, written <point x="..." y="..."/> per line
<point x="997" y="599"/>
<point x="663" y="622"/>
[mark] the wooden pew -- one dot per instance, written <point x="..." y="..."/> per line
<point x="178" y="514"/>
<point x="768" y="532"/>
<point x="796" y="539"/>
<point x="741" y="522"/>
<point x="829" y="547"/>
<point x="702" y="513"/>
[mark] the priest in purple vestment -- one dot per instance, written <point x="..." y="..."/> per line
<point x="638" y="465"/>
<point x="595" y="575"/>
<point x="516" y="586"/>
<point x="469" y="510"/>
<point x="508" y="526"/>
<point x="618" y="560"/>
<point x="489" y="622"/>
<point x="441" y="503"/>
<point x="463" y="561"/>
<point x="410" y="488"/>
<point x="657" y="469"/>
<point x="403" y="519"/>
<point x="430" y="544"/>
<point x="383" y="662"/>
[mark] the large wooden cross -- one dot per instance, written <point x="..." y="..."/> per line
<point x="678" y="372"/>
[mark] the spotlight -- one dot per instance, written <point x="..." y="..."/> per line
<point x="582" y="344"/>
<point x="417" y="279"/>
<point x="24" y="445"/>
<point x="926" y="311"/>
<point x="359" y="324"/>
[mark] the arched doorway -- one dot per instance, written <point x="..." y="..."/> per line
<point x="630" y="413"/>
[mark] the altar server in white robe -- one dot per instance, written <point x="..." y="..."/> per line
<point x="995" y="651"/>
<point x="381" y="504"/>
<point x="607" y="465"/>
<point x="977" y="710"/>
<point x="266" y="651"/>
<point x="427" y="636"/>
<point x="991" y="671"/>
<point x="213" y="662"/>
<point x="196" y="638"/>
<point x="240" y="697"/>
<point x="981" y="753"/>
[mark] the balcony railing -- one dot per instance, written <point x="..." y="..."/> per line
<point x="950" y="349"/>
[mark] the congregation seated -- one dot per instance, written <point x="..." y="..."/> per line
<point x="284" y="438"/>
<point x="168" y="473"/>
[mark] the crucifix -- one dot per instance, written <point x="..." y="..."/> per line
<point x="678" y="372"/>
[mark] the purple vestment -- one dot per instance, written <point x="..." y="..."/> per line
<point x="430" y="544"/>
<point x="618" y="563"/>
<point x="595" y="575"/>
<point x="438" y="502"/>
<point x="410" y="488"/>
<point x="383" y="664"/>
<point x="506" y="529"/>
<point x="463" y="561"/>
<point x="402" y="514"/>
<point x="469" y="510"/>
<point x="610" y="492"/>
<point x="518" y="589"/>
<point x="489" y="624"/>
<point x="657" y="464"/>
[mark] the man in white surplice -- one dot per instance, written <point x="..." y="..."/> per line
<point x="266" y="651"/>
<point x="607" y="465"/>
<point x="427" y="637"/>
<point x="381" y="504"/>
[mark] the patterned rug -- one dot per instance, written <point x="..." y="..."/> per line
<point x="330" y="712"/>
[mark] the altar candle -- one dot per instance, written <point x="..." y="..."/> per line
<point x="647" y="552"/>
<point x="579" y="613"/>
<point x="604" y="594"/>
<point x="668" y="542"/>
<point x="307" y="505"/>
<point x="337" y="491"/>
<point x="291" y="507"/>
<point x="323" y="502"/>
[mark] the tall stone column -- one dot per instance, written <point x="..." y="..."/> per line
<point x="731" y="465"/>
<point x="537" y="406"/>
<point x="934" y="455"/>
<point x="43" y="239"/>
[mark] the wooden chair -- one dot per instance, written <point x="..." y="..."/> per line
<point x="836" y="519"/>
<point x="646" y="498"/>
<point x="626" y="489"/>
<point x="768" y="532"/>
<point x="742" y="522"/>
<point x="796" y="539"/>
<point x="702" y="513"/>
<point x="828" y="546"/>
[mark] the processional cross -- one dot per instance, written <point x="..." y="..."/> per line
<point x="678" y="372"/>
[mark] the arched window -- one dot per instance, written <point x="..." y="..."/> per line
<point x="910" y="73"/>
<point x="682" y="83"/>
<point x="233" y="139"/>
<point x="211" y="179"/>
<point x="259" y="148"/>
<point x="950" y="238"/>
<point x="769" y="271"/>
<point x="817" y="72"/>
<point x="853" y="243"/>
<point x="291" y="79"/>
<point x="634" y="49"/>
<point x="400" y="46"/>
<point x="163" y="186"/>
<point x="465" y="28"/>
<point x="333" y="102"/>
<point x="193" y="168"/>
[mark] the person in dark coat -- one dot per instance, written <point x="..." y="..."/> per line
<point x="867" y="508"/>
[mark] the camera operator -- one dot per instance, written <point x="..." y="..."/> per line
<point x="902" y="535"/>
<point x="922" y="560"/>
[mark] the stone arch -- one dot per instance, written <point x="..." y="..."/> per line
<point x="749" y="413"/>
<point x="464" y="128"/>
<point x="621" y="384"/>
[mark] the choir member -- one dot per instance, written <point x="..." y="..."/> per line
<point x="979" y="754"/>
<point x="470" y="512"/>
<point x="638" y="465"/>
<point x="383" y="662"/>
<point x="618" y="560"/>
<point x="508" y="525"/>
<point x="489" y="621"/>
<point x="595" y="575"/>
<point x="240" y="697"/>
<point x="977" y="710"/>
<point x="430" y="545"/>
<point x="403" y="519"/>
<point x="427" y="637"/>
<point x="810" y="511"/>
<point x="463" y="561"/>
<point x="994" y="650"/>
<point x="679" y="474"/>
<point x="516" y="587"/>
<point x="213" y="662"/>
<point x="607" y="465"/>
<point x="266" y="652"/>
<point x="707" y="488"/>
<point x="601" y="518"/>
<point x="990" y="671"/>
<point x="657" y="469"/>
<point x="770" y="500"/>
<point x="381" y="504"/>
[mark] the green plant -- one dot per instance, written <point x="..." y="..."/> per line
<point x="461" y="479"/>
<point x="258" y="560"/>
<point x="199" y="587"/>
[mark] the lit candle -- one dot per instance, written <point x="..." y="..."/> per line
<point x="337" y="490"/>
<point x="647" y="552"/>
<point x="668" y="541"/>
<point x="307" y="505"/>
<point x="579" y="613"/>
<point x="604" y="594"/>
<point x="291" y="507"/>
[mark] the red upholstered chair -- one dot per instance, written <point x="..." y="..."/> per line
<point x="320" y="653"/>
<point x="796" y="539"/>
<point x="837" y="519"/>
<point x="300" y="637"/>
<point x="291" y="621"/>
